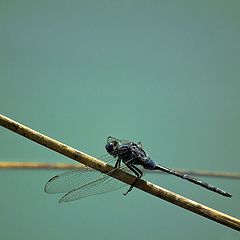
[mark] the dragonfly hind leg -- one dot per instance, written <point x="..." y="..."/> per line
<point x="138" y="173"/>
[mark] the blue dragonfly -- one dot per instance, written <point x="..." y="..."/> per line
<point x="81" y="183"/>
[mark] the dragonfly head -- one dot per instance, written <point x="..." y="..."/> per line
<point x="112" y="147"/>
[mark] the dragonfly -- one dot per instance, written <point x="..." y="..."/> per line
<point x="122" y="154"/>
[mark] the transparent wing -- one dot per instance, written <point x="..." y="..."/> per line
<point x="80" y="183"/>
<point x="67" y="181"/>
<point x="99" y="186"/>
<point x="73" y="179"/>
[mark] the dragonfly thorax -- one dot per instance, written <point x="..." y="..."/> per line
<point x="129" y="153"/>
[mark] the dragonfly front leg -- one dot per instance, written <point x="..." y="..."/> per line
<point x="138" y="173"/>
<point x="118" y="163"/>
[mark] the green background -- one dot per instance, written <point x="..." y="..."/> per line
<point x="166" y="73"/>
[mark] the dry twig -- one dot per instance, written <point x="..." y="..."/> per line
<point x="65" y="166"/>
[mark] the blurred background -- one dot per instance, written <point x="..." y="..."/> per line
<point x="162" y="72"/>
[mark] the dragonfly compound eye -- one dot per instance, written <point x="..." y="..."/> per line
<point x="111" y="147"/>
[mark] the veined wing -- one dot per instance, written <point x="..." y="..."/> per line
<point x="73" y="179"/>
<point x="100" y="185"/>
<point x="69" y="180"/>
<point x="81" y="183"/>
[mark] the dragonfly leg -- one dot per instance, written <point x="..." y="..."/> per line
<point x="138" y="173"/>
<point x="118" y="163"/>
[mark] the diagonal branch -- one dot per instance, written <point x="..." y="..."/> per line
<point x="120" y="175"/>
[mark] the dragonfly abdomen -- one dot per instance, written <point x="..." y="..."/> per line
<point x="194" y="180"/>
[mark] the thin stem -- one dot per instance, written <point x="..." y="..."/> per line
<point x="148" y="187"/>
<point x="39" y="165"/>
<point x="65" y="166"/>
